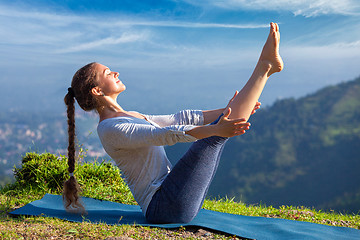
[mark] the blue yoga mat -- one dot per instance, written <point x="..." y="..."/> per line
<point x="242" y="226"/>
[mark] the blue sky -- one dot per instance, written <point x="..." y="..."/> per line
<point x="173" y="54"/>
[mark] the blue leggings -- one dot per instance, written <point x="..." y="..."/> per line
<point x="181" y="195"/>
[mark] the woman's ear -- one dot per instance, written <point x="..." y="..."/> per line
<point x="96" y="91"/>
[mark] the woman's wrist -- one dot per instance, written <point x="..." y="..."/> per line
<point x="201" y="132"/>
<point x="212" y="115"/>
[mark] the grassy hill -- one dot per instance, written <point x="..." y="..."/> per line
<point x="44" y="173"/>
<point x="300" y="152"/>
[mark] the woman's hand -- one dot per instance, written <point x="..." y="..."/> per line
<point x="224" y="128"/>
<point x="230" y="127"/>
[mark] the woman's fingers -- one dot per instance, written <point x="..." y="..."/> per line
<point x="241" y="130"/>
<point x="239" y="126"/>
<point x="239" y="121"/>
<point x="244" y="126"/>
<point x="236" y="93"/>
<point x="257" y="106"/>
<point x="227" y="113"/>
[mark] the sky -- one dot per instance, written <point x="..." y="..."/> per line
<point x="173" y="54"/>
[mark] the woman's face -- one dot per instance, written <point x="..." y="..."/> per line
<point x="109" y="82"/>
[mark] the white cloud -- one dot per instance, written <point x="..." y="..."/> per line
<point x="66" y="33"/>
<point x="349" y="45"/>
<point x="61" y="20"/>
<point x="52" y="18"/>
<point x="124" y="38"/>
<point x="331" y="52"/>
<point x="307" y="8"/>
<point x="187" y="24"/>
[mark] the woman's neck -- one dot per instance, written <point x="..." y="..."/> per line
<point x="110" y="109"/>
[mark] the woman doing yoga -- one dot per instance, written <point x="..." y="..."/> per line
<point x="135" y="141"/>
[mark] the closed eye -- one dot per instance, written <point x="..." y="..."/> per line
<point x="107" y="72"/>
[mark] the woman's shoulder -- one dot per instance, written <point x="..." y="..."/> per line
<point x="119" y="120"/>
<point x="118" y="116"/>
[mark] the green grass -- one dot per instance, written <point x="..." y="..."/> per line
<point x="45" y="173"/>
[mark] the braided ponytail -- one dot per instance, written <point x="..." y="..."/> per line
<point x="71" y="187"/>
<point x="83" y="81"/>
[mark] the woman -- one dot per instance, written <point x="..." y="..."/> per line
<point x="135" y="141"/>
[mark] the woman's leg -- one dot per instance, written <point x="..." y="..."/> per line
<point x="269" y="63"/>
<point x="183" y="191"/>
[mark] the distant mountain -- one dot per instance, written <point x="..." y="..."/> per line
<point x="298" y="152"/>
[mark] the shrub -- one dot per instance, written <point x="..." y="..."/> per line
<point x="46" y="173"/>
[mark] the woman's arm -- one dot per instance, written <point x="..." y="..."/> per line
<point x="131" y="135"/>
<point x="184" y="117"/>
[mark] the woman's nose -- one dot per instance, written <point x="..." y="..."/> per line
<point x="116" y="74"/>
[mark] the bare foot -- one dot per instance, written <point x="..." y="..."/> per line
<point x="270" y="57"/>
